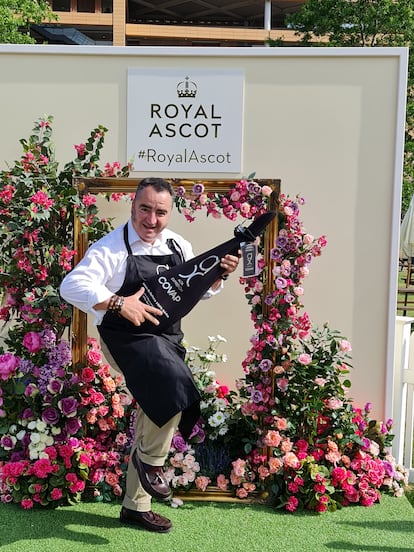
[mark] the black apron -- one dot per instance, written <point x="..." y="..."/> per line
<point x="153" y="364"/>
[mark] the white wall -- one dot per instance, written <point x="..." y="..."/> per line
<point x="328" y="122"/>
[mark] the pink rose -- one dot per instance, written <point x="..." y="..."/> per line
<point x="202" y="482"/>
<point x="308" y="239"/>
<point x="345" y="346"/>
<point x="282" y="384"/>
<point x="290" y="460"/>
<point x="56" y="494"/>
<point x="222" y="482"/>
<point x="87" y="375"/>
<point x="94" y="357"/>
<point x="272" y="438"/>
<point x="32" y="341"/>
<point x="266" y="191"/>
<point x="235" y="196"/>
<point x="245" y="208"/>
<point x="305" y="359"/>
<point x="333" y="404"/>
<point x="292" y="504"/>
<point x="239" y="467"/>
<point x="275" y="464"/>
<point x="8" y="365"/>
<point x="241" y="493"/>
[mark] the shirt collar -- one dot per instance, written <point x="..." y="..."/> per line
<point x="134" y="238"/>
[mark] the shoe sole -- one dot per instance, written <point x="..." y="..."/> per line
<point x="155" y="529"/>
<point x="147" y="487"/>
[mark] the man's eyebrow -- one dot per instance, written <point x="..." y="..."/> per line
<point x="146" y="206"/>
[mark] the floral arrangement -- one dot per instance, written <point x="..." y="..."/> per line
<point x="61" y="427"/>
<point x="246" y="198"/>
<point x="37" y="206"/>
<point x="61" y="431"/>
<point x="108" y="412"/>
<point x="305" y="446"/>
<point x="289" y="435"/>
<point x="44" y="460"/>
<point x="206" y="451"/>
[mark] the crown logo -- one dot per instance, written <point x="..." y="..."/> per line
<point x="186" y="88"/>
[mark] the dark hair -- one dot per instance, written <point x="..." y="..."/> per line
<point x="159" y="185"/>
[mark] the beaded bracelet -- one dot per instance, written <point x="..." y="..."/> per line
<point x="116" y="302"/>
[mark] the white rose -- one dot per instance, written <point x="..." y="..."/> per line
<point x="40" y="425"/>
<point x="33" y="454"/>
<point x="44" y="437"/>
<point x="35" y="438"/>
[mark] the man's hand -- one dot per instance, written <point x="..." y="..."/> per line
<point x="137" y="312"/>
<point x="229" y="263"/>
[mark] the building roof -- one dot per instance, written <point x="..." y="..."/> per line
<point x="169" y="22"/>
<point x="210" y="12"/>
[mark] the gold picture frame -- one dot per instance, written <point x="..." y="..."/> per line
<point x="79" y="321"/>
<point x="97" y="185"/>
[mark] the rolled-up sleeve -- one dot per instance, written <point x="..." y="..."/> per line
<point x="93" y="280"/>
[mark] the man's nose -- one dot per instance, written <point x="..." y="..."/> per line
<point x="152" y="215"/>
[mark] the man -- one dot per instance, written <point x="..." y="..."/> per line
<point x="107" y="284"/>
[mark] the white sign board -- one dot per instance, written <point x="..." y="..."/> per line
<point x="185" y="120"/>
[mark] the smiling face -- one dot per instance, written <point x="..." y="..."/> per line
<point x="150" y="213"/>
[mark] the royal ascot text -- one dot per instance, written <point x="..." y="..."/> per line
<point x="204" y="121"/>
<point x="151" y="155"/>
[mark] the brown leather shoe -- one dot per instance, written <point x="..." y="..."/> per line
<point x="152" y="479"/>
<point x="146" y="520"/>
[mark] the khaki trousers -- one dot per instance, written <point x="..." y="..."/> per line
<point x="152" y="444"/>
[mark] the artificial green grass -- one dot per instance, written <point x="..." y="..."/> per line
<point x="409" y="493"/>
<point x="211" y="527"/>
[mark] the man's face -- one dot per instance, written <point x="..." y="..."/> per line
<point x="150" y="213"/>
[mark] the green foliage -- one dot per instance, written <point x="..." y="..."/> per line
<point x="356" y="23"/>
<point x="16" y="17"/>
<point x="37" y="206"/>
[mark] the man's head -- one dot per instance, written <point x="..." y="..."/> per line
<point x="151" y="208"/>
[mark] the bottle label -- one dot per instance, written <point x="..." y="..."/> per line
<point x="249" y="255"/>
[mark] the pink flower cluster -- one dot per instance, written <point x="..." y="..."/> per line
<point x="246" y="198"/>
<point x="8" y="365"/>
<point x="100" y="391"/>
<point x="69" y="459"/>
<point x="183" y="468"/>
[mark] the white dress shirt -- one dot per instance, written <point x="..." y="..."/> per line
<point x="101" y="272"/>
